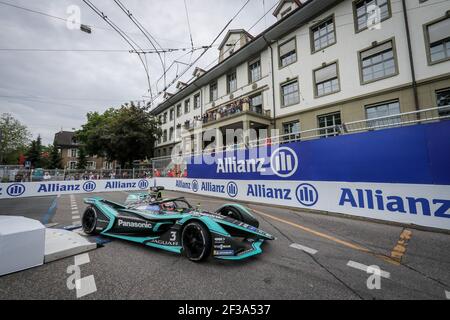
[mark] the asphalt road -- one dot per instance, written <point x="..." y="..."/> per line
<point x="314" y="257"/>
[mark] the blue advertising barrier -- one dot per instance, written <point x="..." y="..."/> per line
<point x="418" y="154"/>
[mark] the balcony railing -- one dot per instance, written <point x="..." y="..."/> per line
<point x="391" y="121"/>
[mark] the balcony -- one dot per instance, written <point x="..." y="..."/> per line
<point x="227" y="112"/>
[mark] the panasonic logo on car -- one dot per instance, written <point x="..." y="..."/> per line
<point x="133" y="224"/>
<point x="377" y="200"/>
<point x="56" y="187"/>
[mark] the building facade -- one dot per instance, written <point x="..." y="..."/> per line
<point x="322" y="64"/>
<point x="70" y="149"/>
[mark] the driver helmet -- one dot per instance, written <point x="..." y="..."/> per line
<point x="168" y="206"/>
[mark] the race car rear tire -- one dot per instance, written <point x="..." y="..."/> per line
<point x="196" y="241"/>
<point x="89" y="221"/>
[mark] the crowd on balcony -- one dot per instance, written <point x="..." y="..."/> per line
<point x="225" y="110"/>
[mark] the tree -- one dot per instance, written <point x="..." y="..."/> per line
<point x="14" y="137"/>
<point x="55" y="157"/>
<point x="34" y="154"/>
<point x="82" y="161"/>
<point x="125" y="134"/>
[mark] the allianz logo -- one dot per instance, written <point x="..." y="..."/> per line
<point x="120" y="185"/>
<point x="283" y="162"/>
<point x="377" y="200"/>
<point x="56" y="187"/>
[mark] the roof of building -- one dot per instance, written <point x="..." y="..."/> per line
<point x="281" y="4"/>
<point x="233" y="31"/>
<point x="300" y="16"/>
<point x="65" y="138"/>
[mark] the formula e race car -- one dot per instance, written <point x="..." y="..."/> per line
<point x="230" y="233"/>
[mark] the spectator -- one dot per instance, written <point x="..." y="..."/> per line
<point x="47" y="176"/>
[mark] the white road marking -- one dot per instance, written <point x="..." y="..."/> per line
<point x="77" y="222"/>
<point x="85" y="286"/>
<point x="82" y="259"/>
<point x="364" y="268"/>
<point x="75" y="217"/>
<point x="447" y="294"/>
<point x="303" y="248"/>
<point x="75" y="212"/>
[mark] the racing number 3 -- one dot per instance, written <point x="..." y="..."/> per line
<point x="173" y="236"/>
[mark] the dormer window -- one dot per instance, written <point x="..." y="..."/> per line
<point x="286" y="12"/>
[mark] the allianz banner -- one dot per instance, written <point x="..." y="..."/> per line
<point x="51" y="188"/>
<point x="417" y="154"/>
<point x="423" y="205"/>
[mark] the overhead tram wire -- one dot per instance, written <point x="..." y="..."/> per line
<point x="142" y="29"/>
<point x="204" y="52"/>
<point x="124" y="36"/>
<point x="189" y="24"/>
<point x="141" y="51"/>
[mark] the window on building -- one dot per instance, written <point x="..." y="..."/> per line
<point x="197" y="102"/>
<point x="290" y="93"/>
<point x="438" y="38"/>
<point x="187" y="106"/>
<point x="254" y="70"/>
<point x="171" y="134"/>
<point x="256" y="103"/>
<point x="291" y="131"/>
<point x="72" y="165"/>
<point x="323" y="35"/>
<point x="326" y="80"/>
<point x="74" y="153"/>
<point x="385" y="111"/>
<point x="91" y="165"/>
<point x="107" y="165"/>
<point x="231" y="82"/>
<point x="443" y="100"/>
<point x="171" y="114"/>
<point x="378" y="62"/>
<point x="368" y="12"/>
<point x="330" y="123"/>
<point x="165" y="117"/>
<point x="165" y="135"/>
<point x="179" y="111"/>
<point x="213" y="91"/>
<point x="287" y="53"/>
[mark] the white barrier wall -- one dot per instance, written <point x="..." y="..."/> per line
<point x="39" y="189"/>
<point x="423" y="205"/>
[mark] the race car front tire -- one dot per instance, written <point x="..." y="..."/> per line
<point x="89" y="221"/>
<point x="196" y="241"/>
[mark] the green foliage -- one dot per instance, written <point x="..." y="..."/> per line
<point x="34" y="154"/>
<point x="82" y="161"/>
<point x="14" y="138"/>
<point x="55" y="157"/>
<point x="123" y="134"/>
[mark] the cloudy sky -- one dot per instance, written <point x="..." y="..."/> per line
<point x="50" y="90"/>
